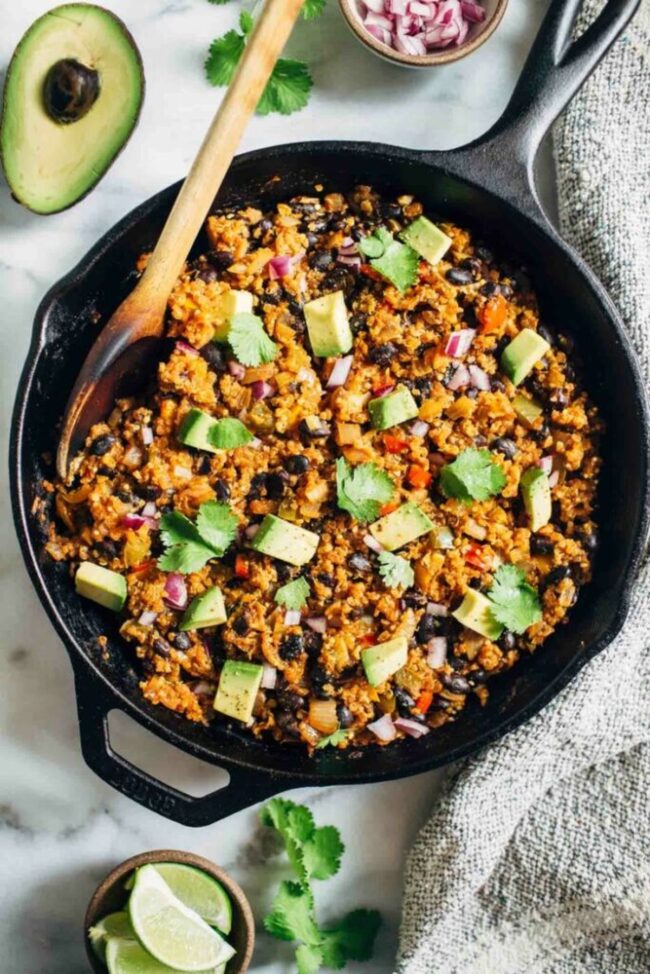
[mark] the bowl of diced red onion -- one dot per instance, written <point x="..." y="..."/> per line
<point x="422" y="33"/>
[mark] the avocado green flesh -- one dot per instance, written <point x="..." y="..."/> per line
<point x="49" y="166"/>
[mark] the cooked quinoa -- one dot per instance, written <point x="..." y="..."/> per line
<point x="135" y="464"/>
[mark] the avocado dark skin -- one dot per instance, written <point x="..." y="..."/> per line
<point x="70" y="90"/>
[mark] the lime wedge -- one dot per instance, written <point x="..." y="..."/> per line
<point x="113" y="925"/>
<point x="173" y="933"/>
<point x="200" y="892"/>
<point x="130" y="957"/>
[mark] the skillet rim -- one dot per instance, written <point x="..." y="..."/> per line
<point x="458" y="164"/>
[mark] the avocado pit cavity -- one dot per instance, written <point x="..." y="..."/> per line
<point x="70" y="90"/>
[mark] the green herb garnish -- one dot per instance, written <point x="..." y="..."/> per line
<point x="190" y="546"/>
<point x="294" y="594"/>
<point x="395" y="261"/>
<point x="248" y="340"/>
<point x="337" y="737"/>
<point x="515" y="603"/>
<point x="314" y="853"/>
<point x="395" y="570"/>
<point x="228" y="433"/>
<point x="362" y="490"/>
<point x="474" y="475"/>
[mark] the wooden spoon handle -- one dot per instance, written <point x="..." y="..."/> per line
<point x="197" y="193"/>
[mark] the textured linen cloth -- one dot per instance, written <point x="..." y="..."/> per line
<point x="537" y="858"/>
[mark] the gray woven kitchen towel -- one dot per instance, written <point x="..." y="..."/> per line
<point x="537" y="859"/>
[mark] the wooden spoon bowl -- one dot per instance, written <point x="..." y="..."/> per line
<point x="111" y="896"/>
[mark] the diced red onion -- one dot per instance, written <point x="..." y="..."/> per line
<point x="419" y="9"/>
<point x="175" y="591"/>
<point x="479" y="378"/>
<point x="406" y="44"/>
<point x="546" y="464"/>
<point x="261" y="389"/>
<point x="554" y="478"/>
<point x="292" y="617"/>
<point x="381" y="34"/>
<point x="459" y="379"/>
<point x="353" y="260"/>
<point x="437" y="655"/>
<point x="437" y="609"/>
<point x="182" y="346"/>
<point x="317" y="624"/>
<point x="459" y="342"/>
<point x="383" y="729"/>
<point x="376" y="5"/>
<point x="147" y="618"/>
<point x="396" y="7"/>
<point x="251" y="531"/>
<point x="382" y="391"/>
<point x="472" y="11"/>
<point x="411" y="727"/>
<point x="146" y="433"/>
<point x="340" y="372"/>
<point x="305" y="375"/>
<point x="269" y="677"/>
<point x="378" y="20"/>
<point x="136" y="521"/>
<point x="236" y="370"/>
<point x="419" y="428"/>
<point x="203" y="688"/>
<point x="254" y="443"/>
<point x="373" y="544"/>
<point x="349" y="247"/>
<point x="149" y="509"/>
<point x="283" y="264"/>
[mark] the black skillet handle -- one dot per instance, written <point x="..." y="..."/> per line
<point x="554" y="71"/>
<point x="245" y="788"/>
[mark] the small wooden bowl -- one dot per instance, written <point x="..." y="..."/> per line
<point x="478" y="34"/>
<point x="111" y="896"/>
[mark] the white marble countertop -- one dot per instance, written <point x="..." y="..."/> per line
<point x="61" y="828"/>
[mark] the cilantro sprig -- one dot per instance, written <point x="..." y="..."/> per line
<point x="332" y="740"/>
<point x="395" y="261"/>
<point x="515" y="603"/>
<point x="248" y="340"/>
<point x="191" y="545"/>
<point x="314" y="853"/>
<point x="395" y="570"/>
<point x="288" y="88"/>
<point x="362" y="490"/>
<point x="294" y="594"/>
<point x="474" y="475"/>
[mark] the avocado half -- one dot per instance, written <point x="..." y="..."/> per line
<point x="73" y="95"/>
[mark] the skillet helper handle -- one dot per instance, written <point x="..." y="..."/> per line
<point x="244" y="789"/>
<point x="554" y="71"/>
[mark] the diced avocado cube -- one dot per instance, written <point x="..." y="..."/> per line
<point x="475" y="612"/>
<point x="400" y="527"/>
<point x="393" y="409"/>
<point x="381" y="661"/>
<point x="195" y="430"/>
<point x="205" y="610"/>
<point x="428" y="239"/>
<point x="238" y="686"/>
<point x="230" y="303"/>
<point x="536" y="495"/>
<point x="102" y="585"/>
<point x="523" y="352"/>
<point x="328" y="326"/>
<point x="526" y="410"/>
<point x="284" y="540"/>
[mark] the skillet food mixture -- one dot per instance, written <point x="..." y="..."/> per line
<point x="362" y="483"/>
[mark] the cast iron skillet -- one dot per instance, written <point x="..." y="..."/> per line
<point x="487" y="185"/>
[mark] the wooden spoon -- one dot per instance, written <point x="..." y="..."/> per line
<point x="130" y="337"/>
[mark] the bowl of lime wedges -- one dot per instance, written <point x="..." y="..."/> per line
<point x="167" y="912"/>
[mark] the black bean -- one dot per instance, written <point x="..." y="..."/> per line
<point x="296" y="464"/>
<point x="321" y="260"/>
<point x="240" y="624"/>
<point x="345" y="715"/>
<point x="541" y="434"/>
<point x="490" y="288"/>
<point x="108" y="548"/>
<point x="478" y="677"/>
<point x="102" y="445"/>
<point x="590" y="540"/>
<point x="221" y="259"/>
<point x="265" y="224"/>
<point x="313" y="642"/>
<point x="505" y="446"/>
<point x="560" y="398"/>
<point x="319" y="677"/>
<point x="507" y="640"/>
<point x="413" y="599"/>
<point x="441" y="703"/>
<point x="149" y="492"/>
<point x="484" y="253"/>
<point x="359" y="562"/>
<point x="275" y="485"/>
<point x="214" y="356"/>
<point x="204" y="466"/>
<point x="539" y="545"/>
<point x="427" y="628"/>
<point x="327" y="579"/>
<point x="358" y="320"/>
<point x="291" y="646"/>
<point x="421" y="387"/>
<point x="404" y="702"/>
<point x="544" y="333"/>
<point x="258" y="482"/>
<point x="455" y="682"/>
<point x="382" y="354"/>
<point x="161" y="647"/>
<point x="557" y="574"/>
<point x="222" y="490"/>
<point x="206" y="273"/>
<point x="566" y="343"/>
<point x="469" y="317"/>
<point x="501" y="345"/>
<point x="339" y="279"/>
<point x="498" y="385"/>
<point x="472" y="265"/>
<point x="125" y="495"/>
<point x="282" y="571"/>
<point x="471" y="393"/>
<point x="459" y="276"/>
<point x="288" y="700"/>
<point x="288" y="723"/>
<point x="391" y="211"/>
<point x="480" y="441"/>
<point x="182" y="641"/>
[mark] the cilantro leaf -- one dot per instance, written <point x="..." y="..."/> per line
<point x="351" y="939"/>
<point x="248" y="340"/>
<point x="287" y="90"/>
<point x="217" y="525"/>
<point x="292" y="914"/>
<point x="294" y="594"/>
<point x="223" y="58"/>
<point x="362" y="490"/>
<point x="395" y="570"/>
<point x="190" y="546"/>
<point x="312" y="9"/>
<point x="308" y="959"/>
<point x="246" y="22"/>
<point x="395" y="261"/>
<point x="515" y="603"/>
<point x="322" y="852"/>
<point x="228" y="433"/>
<point x="218" y="2"/>
<point x="474" y="475"/>
<point x="337" y="737"/>
<point x="313" y="852"/>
